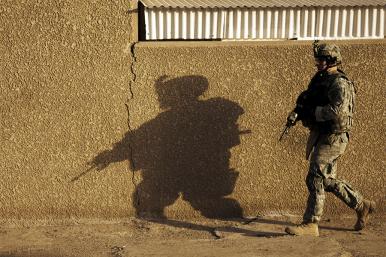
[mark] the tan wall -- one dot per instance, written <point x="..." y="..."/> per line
<point x="66" y="75"/>
<point x="263" y="79"/>
<point x="65" y="71"/>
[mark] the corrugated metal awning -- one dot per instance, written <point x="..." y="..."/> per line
<point x="259" y="3"/>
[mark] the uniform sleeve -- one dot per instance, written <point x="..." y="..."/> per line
<point x="336" y="96"/>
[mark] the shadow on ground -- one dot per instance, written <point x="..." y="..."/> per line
<point x="218" y="231"/>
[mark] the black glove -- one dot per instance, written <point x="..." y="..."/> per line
<point x="292" y="118"/>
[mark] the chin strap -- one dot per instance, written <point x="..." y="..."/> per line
<point x="315" y="47"/>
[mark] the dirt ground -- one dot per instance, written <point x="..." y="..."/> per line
<point x="259" y="236"/>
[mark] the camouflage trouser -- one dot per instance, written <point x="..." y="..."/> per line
<point x="322" y="177"/>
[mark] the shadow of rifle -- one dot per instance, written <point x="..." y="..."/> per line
<point x="93" y="167"/>
<point x="84" y="173"/>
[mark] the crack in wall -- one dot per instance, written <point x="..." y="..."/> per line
<point x="133" y="77"/>
<point x="131" y="97"/>
<point x="132" y="70"/>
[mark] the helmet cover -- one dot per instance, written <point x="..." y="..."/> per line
<point x="328" y="52"/>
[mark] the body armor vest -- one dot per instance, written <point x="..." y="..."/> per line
<point x="317" y="95"/>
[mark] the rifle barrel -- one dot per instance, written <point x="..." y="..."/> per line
<point x="285" y="131"/>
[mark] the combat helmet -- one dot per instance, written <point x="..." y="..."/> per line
<point x="328" y="52"/>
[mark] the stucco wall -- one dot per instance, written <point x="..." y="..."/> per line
<point x="263" y="79"/>
<point x="65" y="70"/>
<point x="68" y="71"/>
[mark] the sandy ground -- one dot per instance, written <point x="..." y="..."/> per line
<point x="262" y="236"/>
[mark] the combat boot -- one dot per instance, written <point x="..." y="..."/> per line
<point x="363" y="212"/>
<point x="304" y="229"/>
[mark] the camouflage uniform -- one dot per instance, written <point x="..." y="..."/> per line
<point x="330" y="97"/>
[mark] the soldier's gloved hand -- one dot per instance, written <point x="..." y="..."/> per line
<point x="292" y="118"/>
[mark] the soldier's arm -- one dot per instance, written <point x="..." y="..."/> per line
<point x="336" y="95"/>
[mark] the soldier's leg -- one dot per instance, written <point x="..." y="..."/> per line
<point x="322" y="167"/>
<point x="327" y="149"/>
<point x="343" y="190"/>
<point x="329" y="154"/>
<point x="340" y="188"/>
<point x="351" y="198"/>
<point x="316" y="196"/>
<point x="314" y="207"/>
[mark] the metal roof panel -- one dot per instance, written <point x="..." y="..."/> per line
<point x="259" y="3"/>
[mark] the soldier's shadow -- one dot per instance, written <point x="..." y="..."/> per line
<point x="185" y="151"/>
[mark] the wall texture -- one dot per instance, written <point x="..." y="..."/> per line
<point x="162" y="121"/>
<point x="263" y="80"/>
<point x="65" y="74"/>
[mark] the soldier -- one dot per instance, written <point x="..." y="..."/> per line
<point x="326" y="108"/>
